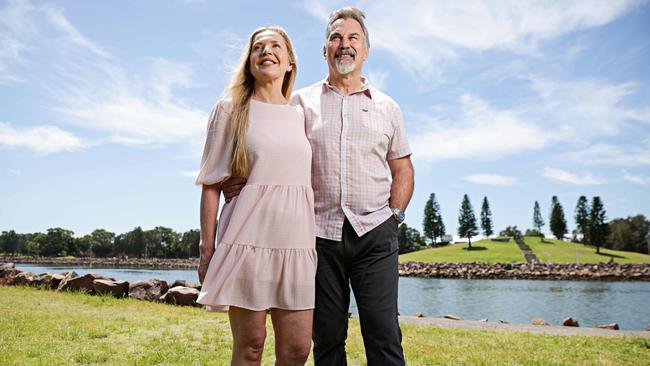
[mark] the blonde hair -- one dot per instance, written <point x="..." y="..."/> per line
<point x="241" y="89"/>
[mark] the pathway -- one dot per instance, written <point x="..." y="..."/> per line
<point x="525" y="249"/>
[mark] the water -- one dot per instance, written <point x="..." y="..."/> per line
<point x="517" y="301"/>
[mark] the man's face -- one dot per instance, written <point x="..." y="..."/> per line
<point x="345" y="48"/>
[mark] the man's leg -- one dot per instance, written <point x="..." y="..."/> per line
<point x="374" y="277"/>
<point x="332" y="304"/>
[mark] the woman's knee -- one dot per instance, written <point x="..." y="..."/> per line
<point x="252" y="345"/>
<point x="295" y="352"/>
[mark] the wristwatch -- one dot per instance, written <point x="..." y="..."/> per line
<point x="398" y="214"/>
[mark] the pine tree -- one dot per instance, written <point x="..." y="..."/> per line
<point x="557" y="222"/>
<point x="432" y="226"/>
<point x="467" y="221"/>
<point x="486" y="218"/>
<point x="597" y="224"/>
<point x="538" y="221"/>
<point x="582" y="218"/>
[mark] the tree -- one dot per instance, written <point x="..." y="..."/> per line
<point x="409" y="239"/>
<point x="582" y="218"/>
<point x="486" y="218"/>
<point x="432" y="225"/>
<point x="597" y="224"/>
<point x="467" y="221"/>
<point x="538" y="221"/>
<point x="630" y="234"/>
<point x="557" y="221"/>
<point x="101" y="242"/>
<point x="9" y="241"/>
<point x="57" y="242"/>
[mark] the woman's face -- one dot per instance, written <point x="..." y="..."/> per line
<point x="269" y="59"/>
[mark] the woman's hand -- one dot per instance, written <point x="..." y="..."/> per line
<point x="207" y="251"/>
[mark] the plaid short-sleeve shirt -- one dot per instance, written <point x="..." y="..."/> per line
<point x="352" y="138"/>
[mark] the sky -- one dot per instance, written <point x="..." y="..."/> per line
<point x="104" y="105"/>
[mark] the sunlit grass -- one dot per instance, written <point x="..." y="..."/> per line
<point x="557" y="251"/>
<point x="486" y="251"/>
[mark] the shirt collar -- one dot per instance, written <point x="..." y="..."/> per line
<point x="365" y="87"/>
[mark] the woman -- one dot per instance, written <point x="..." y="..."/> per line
<point x="264" y="258"/>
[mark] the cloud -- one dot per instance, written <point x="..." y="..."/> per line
<point x="491" y="180"/>
<point x="637" y="179"/>
<point x="377" y="78"/>
<point x="41" y="139"/>
<point x="190" y="173"/>
<point x="581" y="109"/>
<point x="607" y="154"/>
<point x="90" y="88"/>
<point x="440" y="31"/>
<point x="479" y="132"/>
<point x="564" y="176"/>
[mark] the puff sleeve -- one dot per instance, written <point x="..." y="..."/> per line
<point x="217" y="152"/>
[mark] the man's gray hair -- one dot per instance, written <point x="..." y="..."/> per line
<point x="349" y="12"/>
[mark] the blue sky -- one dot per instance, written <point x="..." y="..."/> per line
<point x="104" y="104"/>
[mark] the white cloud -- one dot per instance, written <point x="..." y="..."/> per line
<point x="190" y="173"/>
<point x="377" y="78"/>
<point x="584" y="108"/>
<point x="480" y="132"/>
<point x="637" y="179"/>
<point x="91" y="88"/>
<point x="564" y="176"/>
<point x="491" y="180"/>
<point x="41" y="139"/>
<point x="607" y="154"/>
<point x="441" y="30"/>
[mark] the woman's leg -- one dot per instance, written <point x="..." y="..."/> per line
<point x="248" y="334"/>
<point x="292" y="336"/>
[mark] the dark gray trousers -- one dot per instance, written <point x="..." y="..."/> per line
<point x="369" y="265"/>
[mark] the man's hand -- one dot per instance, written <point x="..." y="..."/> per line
<point x="231" y="187"/>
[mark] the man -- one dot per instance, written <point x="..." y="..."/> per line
<point x="363" y="181"/>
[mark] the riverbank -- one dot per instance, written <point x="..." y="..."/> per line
<point x="37" y="328"/>
<point x="543" y="271"/>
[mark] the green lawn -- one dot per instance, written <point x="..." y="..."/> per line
<point x="557" y="251"/>
<point x="486" y="251"/>
<point x="49" y="328"/>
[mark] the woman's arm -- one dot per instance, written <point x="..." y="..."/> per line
<point x="209" y="209"/>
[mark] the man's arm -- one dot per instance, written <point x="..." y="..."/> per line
<point x="401" y="189"/>
<point x="232" y="186"/>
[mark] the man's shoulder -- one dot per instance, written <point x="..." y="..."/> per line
<point x="316" y="87"/>
<point x="381" y="98"/>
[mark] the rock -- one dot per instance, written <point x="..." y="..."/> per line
<point x="452" y="317"/>
<point x="24" y="279"/>
<point x="43" y="280"/>
<point x="612" y="326"/>
<point x="483" y="320"/>
<point x="7" y="266"/>
<point x="419" y="315"/>
<point x="539" y="321"/>
<point x="181" y="295"/>
<point x="570" y="322"/>
<point x="647" y="329"/>
<point x="504" y="322"/>
<point x="82" y="283"/>
<point x="8" y="276"/>
<point x="185" y="283"/>
<point x="349" y="315"/>
<point x="117" y="289"/>
<point x="151" y="289"/>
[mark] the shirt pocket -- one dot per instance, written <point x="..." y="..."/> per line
<point x="376" y="130"/>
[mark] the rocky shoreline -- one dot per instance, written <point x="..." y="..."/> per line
<point x="527" y="271"/>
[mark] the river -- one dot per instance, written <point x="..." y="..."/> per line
<point x="516" y="301"/>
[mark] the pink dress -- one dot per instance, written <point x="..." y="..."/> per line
<point x="265" y="253"/>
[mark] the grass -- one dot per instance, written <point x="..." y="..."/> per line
<point x="557" y="251"/>
<point x="48" y="328"/>
<point x="486" y="251"/>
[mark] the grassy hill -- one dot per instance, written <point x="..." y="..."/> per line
<point x="51" y="328"/>
<point x="549" y="251"/>
<point x="486" y="250"/>
<point x="557" y="251"/>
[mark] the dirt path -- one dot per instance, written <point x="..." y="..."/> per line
<point x="524" y="328"/>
